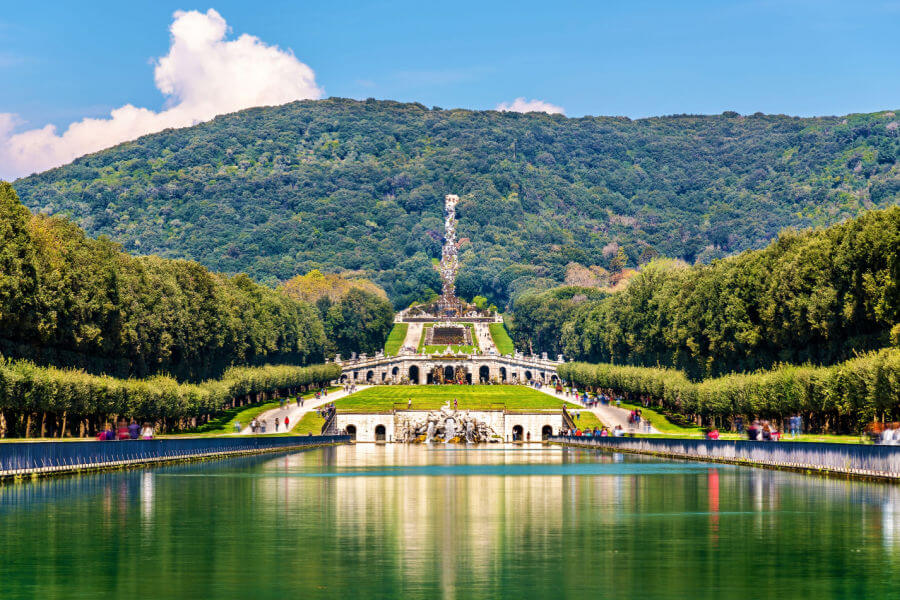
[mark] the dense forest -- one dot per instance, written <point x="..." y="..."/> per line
<point x="346" y="185"/>
<point x="68" y="300"/>
<point x="818" y="296"/>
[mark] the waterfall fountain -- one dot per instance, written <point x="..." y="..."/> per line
<point x="449" y="304"/>
<point x="445" y="426"/>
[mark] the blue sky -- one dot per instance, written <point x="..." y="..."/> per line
<point x="62" y="61"/>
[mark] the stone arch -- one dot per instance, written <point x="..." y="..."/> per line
<point x="395" y="371"/>
<point x="370" y="375"/>
<point x="484" y="373"/>
<point x="343" y="377"/>
<point x="380" y="433"/>
<point x="527" y="375"/>
<point x="413" y="374"/>
<point x="502" y="373"/>
<point x="518" y="433"/>
<point x="546" y="431"/>
<point x="449" y="374"/>
<point x="351" y="431"/>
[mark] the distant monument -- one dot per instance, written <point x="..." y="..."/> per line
<point x="448" y="304"/>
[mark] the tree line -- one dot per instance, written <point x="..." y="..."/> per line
<point x="819" y="296"/>
<point x="71" y="301"/>
<point x="840" y="398"/>
<point x="37" y="401"/>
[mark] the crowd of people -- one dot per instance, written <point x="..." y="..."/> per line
<point x="327" y="411"/>
<point x="617" y="431"/>
<point x="126" y="431"/>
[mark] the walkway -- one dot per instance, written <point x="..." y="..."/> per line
<point x="485" y="340"/>
<point x="608" y="414"/>
<point x="294" y="412"/>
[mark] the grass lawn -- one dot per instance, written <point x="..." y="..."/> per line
<point x="311" y="422"/>
<point x="587" y="419"/>
<point x="501" y="338"/>
<point x="435" y="349"/>
<point x="395" y="339"/>
<point x="661" y="423"/>
<point x="432" y="397"/>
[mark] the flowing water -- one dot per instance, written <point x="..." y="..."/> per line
<point x="412" y="522"/>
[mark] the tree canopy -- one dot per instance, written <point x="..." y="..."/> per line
<point x="342" y="185"/>
<point x="71" y="301"/>
<point x="819" y="296"/>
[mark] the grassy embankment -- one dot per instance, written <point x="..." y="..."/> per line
<point x="224" y="424"/>
<point x="501" y="338"/>
<point x="586" y="420"/>
<point x="460" y="349"/>
<point x="395" y="339"/>
<point x="311" y="422"/>
<point x="430" y="397"/>
<point x="669" y="429"/>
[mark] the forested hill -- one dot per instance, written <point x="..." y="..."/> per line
<point x="341" y="184"/>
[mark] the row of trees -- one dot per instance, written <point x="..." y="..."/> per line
<point x="68" y="300"/>
<point x="813" y="297"/>
<point x="355" y="312"/>
<point x="48" y="401"/>
<point x="839" y="398"/>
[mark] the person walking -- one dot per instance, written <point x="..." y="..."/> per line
<point x="276" y="423"/>
<point x="287" y="421"/>
<point x="409" y="404"/>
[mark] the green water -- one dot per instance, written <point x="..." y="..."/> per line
<point x="410" y="522"/>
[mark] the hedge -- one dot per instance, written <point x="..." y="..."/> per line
<point x="64" y="397"/>
<point x="843" y="397"/>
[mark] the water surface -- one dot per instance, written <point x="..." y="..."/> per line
<point x="411" y="522"/>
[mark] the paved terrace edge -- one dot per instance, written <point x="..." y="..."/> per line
<point x="847" y="461"/>
<point x="162" y="451"/>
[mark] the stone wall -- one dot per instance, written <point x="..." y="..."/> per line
<point x="416" y="368"/>
<point x="529" y="425"/>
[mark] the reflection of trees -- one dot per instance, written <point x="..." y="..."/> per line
<point x="400" y="521"/>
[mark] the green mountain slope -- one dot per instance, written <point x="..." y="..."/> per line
<point x="341" y="184"/>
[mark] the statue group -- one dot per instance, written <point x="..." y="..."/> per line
<point x="446" y="426"/>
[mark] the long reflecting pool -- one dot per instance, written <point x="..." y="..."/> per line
<point x="411" y="522"/>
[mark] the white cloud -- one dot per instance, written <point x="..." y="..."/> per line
<point x="203" y="75"/>
<point x="526" y="106"/>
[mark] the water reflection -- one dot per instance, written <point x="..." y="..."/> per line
<point x="399" y="521"/>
